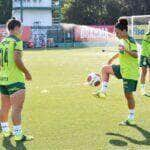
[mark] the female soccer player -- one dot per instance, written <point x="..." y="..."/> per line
<point x="127" y="70"/>
<point x="12" y="81"/>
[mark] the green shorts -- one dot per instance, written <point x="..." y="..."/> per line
<point x="145" y="61"/>
<point x="129" y="85"/>
<point x="12" y="88"/>
<point x="117" y="72"/>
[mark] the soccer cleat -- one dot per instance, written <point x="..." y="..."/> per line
<point x="128" y="122"/>
<point x="99" y="94"/>
<point x="23" y="138"/>
<point x="7" y="134"/>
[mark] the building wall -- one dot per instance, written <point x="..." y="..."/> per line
<point x="44" y="17"/>
<point x="34" y="11"/>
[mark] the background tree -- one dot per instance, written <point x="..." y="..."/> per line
<point x="102" y="11"/>
<point x="5" y="10"/>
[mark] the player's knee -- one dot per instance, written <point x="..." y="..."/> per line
<point x="105" y="68"/>
<point x="129" y="96"/>
<point x="6" y="106"/>
<point x="16" y="110"/>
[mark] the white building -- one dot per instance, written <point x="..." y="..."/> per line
<point x="33" y="12"/>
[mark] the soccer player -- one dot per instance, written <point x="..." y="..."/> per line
<point x="127" y="70"/>
<point x="145" y="62"/>
<point x="12" y="81"/>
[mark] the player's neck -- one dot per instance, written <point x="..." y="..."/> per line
<point x="125" y="37"/>
<point x="12" y="33"/>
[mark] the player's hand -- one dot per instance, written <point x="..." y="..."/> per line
<point x="121" y="47"/>
<point x="28" y="76"/>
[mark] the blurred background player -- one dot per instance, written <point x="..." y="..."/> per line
<point x="12" y="81"/>
<point x="127" y="70"/>
<point x="145" y="61"/>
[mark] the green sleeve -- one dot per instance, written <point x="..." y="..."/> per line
<point x="133" y="47"/>
<point x="19" y="46"/>
<point x="132" y="44"/>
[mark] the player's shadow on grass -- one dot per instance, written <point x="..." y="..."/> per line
<point x="9" y="146"/>
<point x="145" y="133"/>
<point x="20" y="146"/>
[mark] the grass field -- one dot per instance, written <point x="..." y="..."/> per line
<point x="61" y="113"/>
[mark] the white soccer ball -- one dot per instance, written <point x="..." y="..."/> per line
<point x="94" y="79"/>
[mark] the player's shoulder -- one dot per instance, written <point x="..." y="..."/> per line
<point x="13" y="38"/>
<point x="131" y="40"/>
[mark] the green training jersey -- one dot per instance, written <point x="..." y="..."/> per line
<point x="9" y="72"/>
<point x="146" y="45"/>
<point x="128" y="64"/>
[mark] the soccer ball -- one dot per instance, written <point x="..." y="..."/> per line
<point x="93" y="79"/>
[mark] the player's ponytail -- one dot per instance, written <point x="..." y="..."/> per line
<point x="12" y="23"/>
<point x="122" y="24"/>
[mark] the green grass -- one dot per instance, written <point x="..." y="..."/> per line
<point x="61" y="113"/>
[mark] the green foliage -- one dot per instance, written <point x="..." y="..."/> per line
<point x="102" y="11"/>
<point x="5" y="10"/>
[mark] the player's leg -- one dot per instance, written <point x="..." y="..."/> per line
<point x="142" y="80"/>
<point x="17" y="101"/>
<point x="106" y="72"/>
<point x="144" y="64"/>
<point x="149" y="74"/>
<point x="4" y="112"/>
<point x="129" y="87"/>
<point x="131" y="105"/>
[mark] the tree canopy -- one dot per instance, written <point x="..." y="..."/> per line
<point x="102" y="11"/>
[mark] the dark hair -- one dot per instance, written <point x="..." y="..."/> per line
<point x="122" y="24"/>
<point x="12" y="23"/>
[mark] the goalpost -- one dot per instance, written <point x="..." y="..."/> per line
<point x="138" y="26"/>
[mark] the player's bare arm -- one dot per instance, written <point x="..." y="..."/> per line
<point x="20" y="64"/>
<point x="113" y="58"/>
<point x="132" y="53"/>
